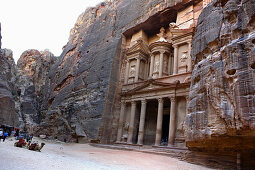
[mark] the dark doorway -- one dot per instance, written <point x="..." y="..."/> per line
<point x="165" y="129"/>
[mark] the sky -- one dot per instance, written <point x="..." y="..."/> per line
<point x="39" y="24"/>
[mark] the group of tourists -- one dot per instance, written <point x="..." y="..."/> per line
<point x="3" y="135"/>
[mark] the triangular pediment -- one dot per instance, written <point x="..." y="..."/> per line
<point x="151" y="85"/>
<point x="140" y="46"/>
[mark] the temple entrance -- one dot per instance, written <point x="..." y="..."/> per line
<point x="165" y="123"/>
<point x="150" y="122"/>
<point x="165" y="129"/>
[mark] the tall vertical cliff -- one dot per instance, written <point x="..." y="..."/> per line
<point x="222" y="101"/>
<point x="8" y="115"/>
<point x="83" y="85"/>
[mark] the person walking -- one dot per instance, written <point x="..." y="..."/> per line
<point x="5" y="136"/>
<point x="1" y="134"/>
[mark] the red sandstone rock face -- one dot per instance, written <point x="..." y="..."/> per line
<point x="8" y="94"/>
<point x="84" y="83"/>
<point x="221" y="111"/>
<point x="32" y="75"/>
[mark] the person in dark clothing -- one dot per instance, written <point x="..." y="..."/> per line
<point x="28" y="137"/>
<point x="17" y="133"/>
<point x="5" y="136"/>
<point x="31" y="137"/>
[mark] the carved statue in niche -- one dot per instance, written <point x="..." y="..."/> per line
<point x="156" y="66"/>
<point x="162" y="35"/>
<point x="142" y="69"/>
<point x="165" y="65"/>
<point x="184" y="58"/>
<point x="132" y="71"/>
<point x="125" y="132"/>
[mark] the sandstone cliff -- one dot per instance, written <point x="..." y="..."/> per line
<point x="32" y="75"/>
<point x="221" y="109"/>
<point x="8" y="115"/>
<point x="84" y="82"/>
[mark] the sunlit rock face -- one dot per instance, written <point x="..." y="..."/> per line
<point x="32" y="74"/>
<point x="221" y="111"/>
<point x="84" y="83"/>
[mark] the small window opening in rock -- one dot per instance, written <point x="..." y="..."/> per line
<point x="107" y="41"/>
<point x="231" y="72"/>
<point x="87" y="51"/>
<point x="64" y="140"/>
<point x="253" y="41"/>
<point x="253" y="65"/>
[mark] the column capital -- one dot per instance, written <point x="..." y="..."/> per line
<point x="172" y="98"/>
<point x="162" y="51"/>
<point x="123" y="102"/>
<point x="175" y="45"/>
<point x="133" y="102"/>
<point x="187" y="98"/>
<point x="127" y="61"/>
<point x="160" y="100"/>
<point x="138" y="58"/>
<point x="143" y="101"/>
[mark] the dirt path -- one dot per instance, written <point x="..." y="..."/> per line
<point x="57" y="155"/>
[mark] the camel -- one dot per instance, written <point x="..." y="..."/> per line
<point x="35" y="146"/>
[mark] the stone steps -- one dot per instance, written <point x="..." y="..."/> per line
<point x="200" y="158"/>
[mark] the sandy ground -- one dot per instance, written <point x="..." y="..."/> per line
<point x="58" y="155"/>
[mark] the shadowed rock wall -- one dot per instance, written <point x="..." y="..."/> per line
<point x="8" y="115"/>
<point x="221" y="111"/>
<point x="82" y="86"/>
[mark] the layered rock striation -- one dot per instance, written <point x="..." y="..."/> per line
<point x="8" y="114"/>
<point x="221" y="111"/>
<point x="32" y="75"/>
<point x="84" y="84"/>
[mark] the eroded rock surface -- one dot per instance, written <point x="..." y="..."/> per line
<point x="32" y="74"/>
<point x="221" y="111"/>
<point x="84" y="83"/>
<point x="8" y="114"/>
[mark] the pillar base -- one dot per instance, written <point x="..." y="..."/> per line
<point x="170" y="145"/>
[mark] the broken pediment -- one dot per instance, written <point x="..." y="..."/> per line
<point x="139" y="47"/>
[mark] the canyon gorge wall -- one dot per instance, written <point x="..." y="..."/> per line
<point x="83" y="85"/>
<point x="8" y="114"/>
<point x="222" y="102"/>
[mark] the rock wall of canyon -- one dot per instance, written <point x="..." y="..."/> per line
<point x="221" y="111"/>
<point x="8" y="114"/>
<point x="83" y="85"/>
<point x="32" y="75"/>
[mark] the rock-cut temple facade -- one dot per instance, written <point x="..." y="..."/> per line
<point x="155" y="81"/>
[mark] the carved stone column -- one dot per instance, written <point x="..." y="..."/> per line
<point x="127" y="72"/>
<point x="137" y="69"/>
<point x="187" y="102"/>
<point x="131" y="123"/>
<point x="172" y="123"/>
<point x="175" y="59"/>
<point x="122" y="113"/>
<point x="189" y="56"/>
<point x="159" y="122"/>
<point x="142" y="122"/>
<point x="161" y="57"/>
<point x="151" y="66"/>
